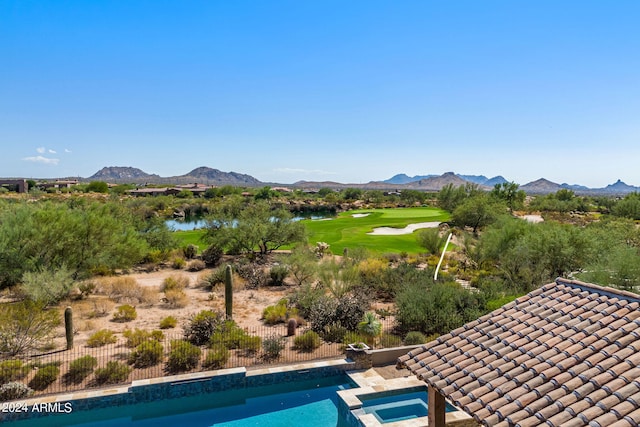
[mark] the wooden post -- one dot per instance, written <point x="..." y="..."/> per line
<point x="437" y="404"/>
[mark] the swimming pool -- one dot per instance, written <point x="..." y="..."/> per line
<point x="398" y="405"/>
<point x="311" y="403"/>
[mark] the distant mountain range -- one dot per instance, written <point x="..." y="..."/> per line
<point x="209" y="176"/>
<point x="201" y="175"/>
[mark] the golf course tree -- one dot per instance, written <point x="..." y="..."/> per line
<point x="478" y="211"/>
<point x="252" y="228"/>
<point x="509" y="192"/>
<point x="450" y="196"/>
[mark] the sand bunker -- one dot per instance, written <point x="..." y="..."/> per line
<point x="532" y="218"/>
<point x="362" y="215"/>
<point x="391" y="231"/>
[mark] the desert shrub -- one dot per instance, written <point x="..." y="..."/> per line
<point x="101" y="338"/>
<point x="253" y="274"/>
<point x="176" y="298"/>
<point x="346" y="311"/>
<point x="196" y="265"/>
<point x="306" y="297"/>
<point x="121" y="289"/>
<point x="86" y="288"/>
<point x="202" y="326"/>
<point x="178" y="263"/>
<point x="81" y="368"/>
<point x="275" y="313"/>
<point x="172" y="282"/>
<point x="47" y="286"/>
<point x="12" y="370"/>
<point x="210" y="280"/>
<point x="216" y="357"/>
<point x="212" y="255"/>
<point x="113" y="373"/>
<point x="272" y="346"/>
<point x="308" y="341"/>
<point x="125" y="313"/>
<point x="190" y="251"/>
<point x="25" y="326"/>
<point x="277" y="275"/>
<point x="415" y="337"/>
<point x="352" y="337"/>
<point x="168" y="322"/>
<point x="148" y="353"/>
<point x="230" y="335"/>
<point x="138" y="336"/>
<point x="101" y="308"/>
<point x="183" y="356"/>
<point x="148" y="296"/>
<point x="390" y="340"/>
<point x="333" y="332"/>
<point x="13" y="391"/>
<point x="44" y="377"/>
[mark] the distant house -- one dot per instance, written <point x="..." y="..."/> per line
<point x="58" y="184"/>
<point x="567" y="354"/>
<point x="196" y="189"/>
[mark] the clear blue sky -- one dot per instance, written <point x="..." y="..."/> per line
<point x="348" y="91"/>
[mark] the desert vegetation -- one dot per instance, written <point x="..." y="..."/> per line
<point x="257" y="284"/>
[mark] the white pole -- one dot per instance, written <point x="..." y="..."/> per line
<point x="435" y="276"/>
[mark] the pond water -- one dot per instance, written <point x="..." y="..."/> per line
<point x="195" y="223"/>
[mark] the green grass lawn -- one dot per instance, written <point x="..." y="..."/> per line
<point x="345" y="231"/>
<point x="191" y="237"/>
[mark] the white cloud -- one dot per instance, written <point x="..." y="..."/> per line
<point x="66" y="150"/>
<point x="41" y="159"/>
<point x="41" y="150"/>
<point x="52" y="151"/>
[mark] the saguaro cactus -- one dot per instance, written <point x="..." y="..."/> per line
<point x="68" y="326"/>
<point x="228" y="292"/>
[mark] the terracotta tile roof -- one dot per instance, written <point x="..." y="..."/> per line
<point x="565" y="355"/>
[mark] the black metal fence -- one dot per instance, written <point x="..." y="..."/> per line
<point x="128" y="359"/>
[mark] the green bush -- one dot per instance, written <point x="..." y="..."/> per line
<point x="44" y="377"/>
<point x="352" y="338"/>
<point x="81" y="368"/>
<point x="113" y="373"/>
<point x="190" y="251"/>
<point x="390" y="340"/>
<point x="178" y="263"/>
<point x="202" y="326"/>
<point x="12" y="370"/>
<point x="275" y="313"/>
<point x="212" y="255"/>
<point x="14" y="391"/>
<point x="148" y="353"/>
<point x="210" y="280"/>
<point x="138" y="336"/>
<point x="231" y="336"/>
<point x="334" y="332"/>
<point x="216" y="358"/>
<point x="272" y="346"/>
<point x="278" y="274"/>
<point x="101" y="338"/>
<point x="125" y="313"/>
<point x="168" y="322"/>
<point x="308" y="341"/>
<point x="415" y="337"/>
<point x="183" y="356"/>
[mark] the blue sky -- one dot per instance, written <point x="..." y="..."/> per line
<point x="348" y="91"/>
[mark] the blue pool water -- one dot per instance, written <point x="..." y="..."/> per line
<point x="390" y="407"/>
<point x="310" y="403"/>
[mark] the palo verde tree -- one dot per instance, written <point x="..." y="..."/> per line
<point x="252" y="228"/>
